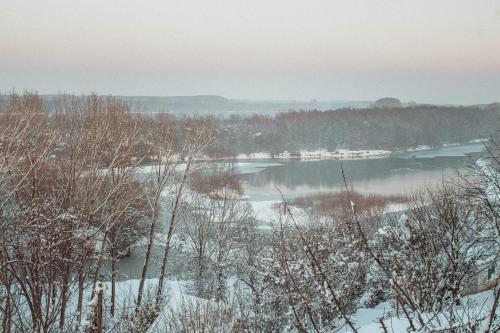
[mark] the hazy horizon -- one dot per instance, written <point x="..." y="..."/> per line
<point x="442" y="52"/>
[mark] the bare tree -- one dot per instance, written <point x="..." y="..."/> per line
<point x="219" y="215"/>
<point x="198" y="135"/>
<point x="64" y="180"/>
<point x="162" y="148"/>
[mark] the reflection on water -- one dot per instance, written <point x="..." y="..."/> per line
<point x="400" y="174"/>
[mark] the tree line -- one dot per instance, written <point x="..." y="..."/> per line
<point x="370" y="128"/>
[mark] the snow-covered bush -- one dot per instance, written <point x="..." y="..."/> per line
<point x="427" y="259"/>
<point x="317" y="275"/>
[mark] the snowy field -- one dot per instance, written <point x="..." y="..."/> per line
<point x="367" y="320"/>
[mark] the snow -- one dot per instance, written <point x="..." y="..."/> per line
<point x="396" y="207"/>
<point x="367" y="319"/>
<point x="480" y="140"/>
<point x="265" y="210"/>
<point x="426" y="147"/>
<point x="419" y="148"/>
<point x="260" y="155"/>
<point x="175" y="299"/>
<point x="492" y="189"/>
<point x="341" y="154"/>
<point x="126" y="293"/>
<point x="269" y="212"/>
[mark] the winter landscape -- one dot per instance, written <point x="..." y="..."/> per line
<point x="235" y="166"/>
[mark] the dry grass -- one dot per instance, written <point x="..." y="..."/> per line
<point x="212" y="185"/>
<point x="326" y="203"/>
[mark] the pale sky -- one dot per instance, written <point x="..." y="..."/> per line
<point x="439" y="51"/>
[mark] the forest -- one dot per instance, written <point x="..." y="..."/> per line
<point x="367" y="128"/>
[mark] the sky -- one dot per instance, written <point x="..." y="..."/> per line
<point x="435" y="51"/>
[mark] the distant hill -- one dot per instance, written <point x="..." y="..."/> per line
<point x="214" y="103"/>
<point x="221" y="106"/>
<point x="387" y="103"/>
<point x="224" y="107"/>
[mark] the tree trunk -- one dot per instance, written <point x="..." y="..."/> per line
<point x="148" y="252"/>
<point x="99" y="312"/>
<point x="171" y="228"/>
<point x="99" y="263"/>
<point x="164" y="264"/>
<point x="79" y="307"/>
<point x="64" y="299"/>
<point x="200" y="274"/>
<point x="6" y="322"/>
<point x="114" y="273"/>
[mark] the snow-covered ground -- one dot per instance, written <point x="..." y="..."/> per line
<point x="425" y="147"/>
<point x="396" y="207"/>
<point x="368" y="320"/>
<point x="344" y="154"/>
<point x="254" y="156"/>
<point x="419" y="148"/>
<point x="269" y="212"/>
<point x="176" y="299"/>
<point x="126" y="294"/>
<point x="265" y="210"/>
<point x="340" y="154"/>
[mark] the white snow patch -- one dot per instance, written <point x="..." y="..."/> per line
<point x="419" y="148"/>
<point x="368" y="319"/>
<point x="260" y="155"/>
<point x="265" y="210"/>
<point x="396" y="207"/>
<point x="340" y="154"/>
<point x="343" y="154"/>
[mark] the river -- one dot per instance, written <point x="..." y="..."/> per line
<point x="398" y="174"/>
<point x="263" y="179"/>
